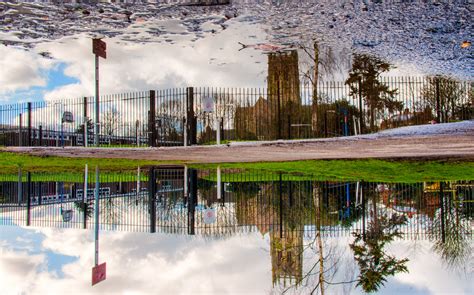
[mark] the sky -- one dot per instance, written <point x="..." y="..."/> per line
<point x="214" y="60"/>
<point x="59" y="261"/>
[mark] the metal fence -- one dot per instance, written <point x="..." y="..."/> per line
<point x="221" y="203"/>
<point x="187" y="116"/>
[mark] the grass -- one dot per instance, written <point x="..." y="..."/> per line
<point x="367" y="170"/>
<point x="330" y="170"/>
<point x="10" y="162"/>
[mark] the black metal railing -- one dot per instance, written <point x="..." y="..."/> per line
<point x="195" y="115"/>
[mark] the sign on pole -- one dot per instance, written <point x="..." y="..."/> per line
<point x="99" y="273"/>
<point x="99" y="48"/>
<point x="208" y="104"/>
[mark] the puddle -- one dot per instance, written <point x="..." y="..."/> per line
<point x="233" y="231"/>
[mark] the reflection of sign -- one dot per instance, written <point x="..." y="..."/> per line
<point x="209" y="216"/>
<point x="99" y="48"/>
<point x="68" y="117"/>
<point x="208" y="104"/>
<point x="98" y="273"/>
<point x="67" y="215"/>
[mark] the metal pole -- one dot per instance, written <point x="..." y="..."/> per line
<point x="218" y="129"/>
<point x="85" y="121"/>
<point x="96" y="213"/>
<point x="97" y="128"/>
<point x="29" y="124"/>
<point x="361" y="112"/>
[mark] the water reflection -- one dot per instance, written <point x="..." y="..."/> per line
<point x="305" y="221"/>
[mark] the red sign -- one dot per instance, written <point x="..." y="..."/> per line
<point x="98" y="273"/>
<point x="99" y="48"/>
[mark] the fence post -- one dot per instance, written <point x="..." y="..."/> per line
<point x="29" y="124"/>
<point x="151" y="199"/>
<point x="85" y="139"/>
<point x="438" y="101"/>
<point x="28" y="199"/>
<point x="152" y="120"/>
<point x="190" y="119"/>
<point x="40" y="135"/>
<point x="278" y="111"/>
<point x="289" y="126"/>
<point x="20" y="131"/>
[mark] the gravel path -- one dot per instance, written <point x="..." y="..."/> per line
<point x="455" y="141"/>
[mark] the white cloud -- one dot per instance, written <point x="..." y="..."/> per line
<point x="21" y="69"/>
<point x="211" y="61"/>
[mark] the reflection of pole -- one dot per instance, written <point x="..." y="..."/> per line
<point x="151" y="199"/>
<point x="28" y="198"/>
<point x="96" y="132"/>
<point x="441" y="200"/>
<point x="84" y="196"/>
<point x="138" y="181"/>
<point x="20" y="186"/>
<point x="219" y="183"/>
<point x="96" y="211"/>
<point x="363" y="211"/>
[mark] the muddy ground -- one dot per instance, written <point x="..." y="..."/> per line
<point x="459" y="146"/>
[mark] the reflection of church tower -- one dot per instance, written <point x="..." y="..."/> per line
<point x="287" y="255"/>
<point x="283" y="85"/>
<point x="283" y="77"/>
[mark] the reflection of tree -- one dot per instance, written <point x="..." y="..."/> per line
<point x="364" y="78"/>
<point x="456" y="248"/>
<point x="451" y="94"/>
<point x="110" y="210"/>
<point x="374" y="264"/>
<point x="110" y="122"/>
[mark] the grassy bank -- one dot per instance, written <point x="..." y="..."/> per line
<point x="10" y="162"/>
<point x="331" y="170"/>
<point x="368" y="170"/>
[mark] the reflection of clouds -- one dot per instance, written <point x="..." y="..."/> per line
<point x="21" y="69"/>
<point x="145" y="263"/>
<point x="132" y="67"/>
<point x="163" y="264"/>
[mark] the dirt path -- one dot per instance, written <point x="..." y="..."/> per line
<point x="443" y="146"/>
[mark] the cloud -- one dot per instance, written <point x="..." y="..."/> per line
<point x="21" y="69"/>
<point x="211" y="61"/>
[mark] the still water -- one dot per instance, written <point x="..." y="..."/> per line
<point x="186" y="231"/>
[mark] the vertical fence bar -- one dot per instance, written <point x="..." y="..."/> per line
<point x="29" y="123"/>
<point x="152" y="199"/>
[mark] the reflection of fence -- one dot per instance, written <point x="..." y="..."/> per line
<point x="197" y="115"/>
<point x="177" y="200"/>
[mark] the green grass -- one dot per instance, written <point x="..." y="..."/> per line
<point x="331" y="170"/>
<point x="336" y="170"/>
<point x="10" y="162"/>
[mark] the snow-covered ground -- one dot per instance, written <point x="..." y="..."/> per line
<point x="428" y="129"/>
<point x="459" y="128"/>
